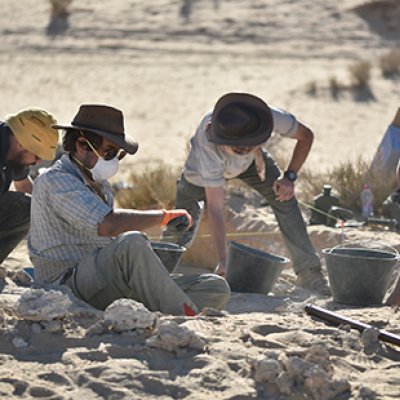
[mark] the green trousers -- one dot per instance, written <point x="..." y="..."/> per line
<point x="129" y="268"/>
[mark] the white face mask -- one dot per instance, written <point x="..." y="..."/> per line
<point x="104" y="170"/>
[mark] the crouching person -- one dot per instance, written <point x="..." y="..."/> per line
<point x="79" y="239"/>
<point x="25" y="139"/>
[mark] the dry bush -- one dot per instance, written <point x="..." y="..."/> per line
<point x="156" y="186"/>
<point x="311" y="88"/>
<point x="347" y="180"/>
<point x="390" y="63"/>
<point x="153" y="188"/>
<point x="334" y="86"/>
<point x="360" y="73"/>
<point x="59" y="8"/>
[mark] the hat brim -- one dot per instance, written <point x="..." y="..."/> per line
<point x="125" y="142"/>
<point x="259" y="136"/>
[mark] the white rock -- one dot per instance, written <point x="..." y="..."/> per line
<point x="171" y="336"/>
<point x="127" y="314"/>
<point x="267" y="370"/>
<point x="42" y="305"/>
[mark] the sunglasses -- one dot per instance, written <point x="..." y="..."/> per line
<point x="242" y="149"/>
<point x="112" y="153"/>
<point x="109" y="154"/>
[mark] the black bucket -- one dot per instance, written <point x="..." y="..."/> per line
<point x="359" y="276"/>
<point x="251" y="270"/>
<point x="170" y="254"/>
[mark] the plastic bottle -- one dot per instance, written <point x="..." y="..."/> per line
<point x="367" y="200"/>
<point x="324" y="201"/>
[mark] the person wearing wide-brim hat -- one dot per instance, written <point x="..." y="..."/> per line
<point x="26" y="138"/>
<point x="228" y="144"/>
<point x="79" y="239"/>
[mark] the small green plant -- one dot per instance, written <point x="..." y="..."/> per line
<point x="360" y="73"/>
<point x="153" y="188"/>
<point x="390" y="64"/>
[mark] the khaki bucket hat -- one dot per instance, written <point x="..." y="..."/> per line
<point x="33" y="130"/>
<point x="105" y="121"/>
<point x="241" y="119"/>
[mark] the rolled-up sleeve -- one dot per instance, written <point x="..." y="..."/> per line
<point x="285" y="124"/>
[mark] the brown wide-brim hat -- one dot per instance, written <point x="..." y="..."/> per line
<point x="105" y="121"/>
<point x="241" y="119"/>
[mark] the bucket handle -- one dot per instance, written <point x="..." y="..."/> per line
<point x="342" y="246"/>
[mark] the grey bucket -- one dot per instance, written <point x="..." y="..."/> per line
<point x="359" y="276"/>
<point x="251" y="270"/>
<point x="170" y="254"/>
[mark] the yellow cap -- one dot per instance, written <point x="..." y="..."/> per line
<point x="32" y="128"/>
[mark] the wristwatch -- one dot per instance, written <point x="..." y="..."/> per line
<point x="290" y="174"/>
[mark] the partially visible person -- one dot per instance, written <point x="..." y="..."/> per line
<point x="228" y="144"/>
<point x="26" y="138"/>
<point x="392" y="203"/>
<point x="79" y="239"/>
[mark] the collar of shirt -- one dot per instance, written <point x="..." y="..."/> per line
<point x="74" y="169"/>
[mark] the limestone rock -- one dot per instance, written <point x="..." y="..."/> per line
<point x="127" y="314"/>
<point x="42" y="305"/>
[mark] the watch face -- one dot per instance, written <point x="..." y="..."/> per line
<point x="291" y="175"/>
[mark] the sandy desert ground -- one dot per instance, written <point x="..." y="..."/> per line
<point x="164" y="63"/>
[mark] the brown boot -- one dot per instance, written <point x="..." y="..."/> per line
<point x="312" y="279"/>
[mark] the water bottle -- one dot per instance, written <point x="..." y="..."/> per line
<point x="367" y="200"/>
<point x="323" y="202"/>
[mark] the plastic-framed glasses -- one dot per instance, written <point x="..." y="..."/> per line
<point x="109" y="154"/>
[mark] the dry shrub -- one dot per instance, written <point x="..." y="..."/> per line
<point x="334" y="86"/>
<point x="390" y="63"/>
<point x="360" y="73"/>
<point x="153" y="188"/>
<point x="347" y="180"/>
<point x="59" y="8"/>
<point x="311" y="88"/>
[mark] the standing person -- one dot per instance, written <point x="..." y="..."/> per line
<point x="228" y="144"/>
<point x="79" y="239"/>
<point x="25" y="138"/>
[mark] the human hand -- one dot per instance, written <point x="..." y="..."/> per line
<point x="283" y="188"/>
<point x="180" y="218"/>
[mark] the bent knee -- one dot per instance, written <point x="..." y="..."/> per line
<point x="133" y="240"/>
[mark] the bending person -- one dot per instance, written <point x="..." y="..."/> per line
<point x="228" y="144"/>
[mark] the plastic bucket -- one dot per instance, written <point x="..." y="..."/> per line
<point x="359" y="276"/>
<point x="251" y="270"/>
<point x="170" y="254"/>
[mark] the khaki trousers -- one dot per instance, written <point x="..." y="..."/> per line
<point x="129" y="268"/>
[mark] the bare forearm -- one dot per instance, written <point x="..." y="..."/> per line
<point x="305" y="139"/>
<point x="216" y="216"/>
<point x="119" y="221"/>
<point x="218" y="232"/>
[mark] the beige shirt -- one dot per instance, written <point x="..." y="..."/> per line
<point x="209" y="166"/>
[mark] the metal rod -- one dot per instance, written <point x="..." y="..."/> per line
<point x="337" y="319"/>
